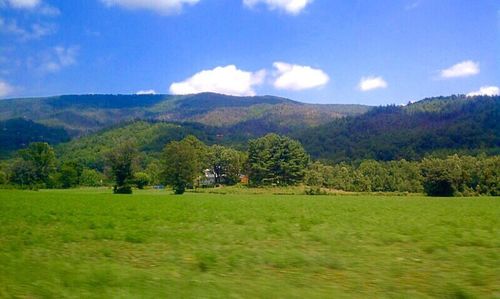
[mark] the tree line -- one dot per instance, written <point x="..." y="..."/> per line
<point x="272" y="160"/>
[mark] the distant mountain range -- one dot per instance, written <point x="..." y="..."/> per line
<point x="83" y="114"/>
<point x="94" y="123"/>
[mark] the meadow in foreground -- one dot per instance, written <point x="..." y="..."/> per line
<point x="92" y="244"/>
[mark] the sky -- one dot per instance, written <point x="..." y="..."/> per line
<point x="373" y="52"/>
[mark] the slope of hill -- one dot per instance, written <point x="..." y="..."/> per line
<point x="434" y="125"/>
<point x="82" y="114"/>
<point x="385" y="133"/>
<point x="437" y="125"/>
<point x="149" y="137"/>
<point x="17" y="133"/>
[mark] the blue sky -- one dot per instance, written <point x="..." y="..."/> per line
<point x="322" y="51"/>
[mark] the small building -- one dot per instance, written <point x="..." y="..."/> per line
<point x="207" y="179"/>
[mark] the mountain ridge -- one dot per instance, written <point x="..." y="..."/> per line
<point x="83" y="114"/>
<point x="340" y="133"/>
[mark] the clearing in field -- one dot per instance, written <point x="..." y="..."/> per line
<point x="92" y="244"/>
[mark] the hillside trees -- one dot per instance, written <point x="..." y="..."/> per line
<point x="275" y="159"/>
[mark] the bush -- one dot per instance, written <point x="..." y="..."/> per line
<point x="3" y="178"/>
<point x="91" y="178"/>
<point x="141" y="180"/>
<point x="315" y="191"/>
<point x="122" y="190"/>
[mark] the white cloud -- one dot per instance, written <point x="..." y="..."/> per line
<point x="5" y="89"/>
<point x="24" y="4"/>
<point x="146" y="92"/>
<point x="48" y="10"/>
<point x="370" y="83"/>
<point x="161" y="6"/>
<point x="36" y="31"/>
<point x="59" y="58"/>
<point x="223" y="79"/>
<point x="36" y="6"/>
<point x="293" y="7"/>
<point x="462" y="69"/>
<point x="298" y="77"/>
<point x="485" y="91"/>
<point x="413" y="5"/>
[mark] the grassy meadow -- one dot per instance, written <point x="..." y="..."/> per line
<point x="93" y="244"/>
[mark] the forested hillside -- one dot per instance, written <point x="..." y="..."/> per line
<point x="440" y="125"/>
<point x="81" y="114"/>
<point x="18" y="133"/>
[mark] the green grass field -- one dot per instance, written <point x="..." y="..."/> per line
<point x="92" y="244"/>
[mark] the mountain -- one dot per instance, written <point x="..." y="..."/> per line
<point x="435" y="125"/>
<point x="83" y="114"/>
<point x="18" y="133"/>
<point x="440" y="125"/>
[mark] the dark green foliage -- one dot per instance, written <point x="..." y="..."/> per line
<point x="461" y="176"/>
<point x="275" y="159"/>
<point x="3" y="177"/>
<point x="121" y="160"/>
<point x="126" y="189"/>
<point x="487" y="176"/>
<point x="18" y="133"/>
<point x="35" y="166"/>
<point x="442" y="177"/>
<point x="105" y="101"/>
<point x="181" y="163"/>
<point x="445" y="125"/>
<point x="69" y="174"/>
<point x="23" y="174"/>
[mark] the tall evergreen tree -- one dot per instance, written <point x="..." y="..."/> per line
<point x="275" y="159"/>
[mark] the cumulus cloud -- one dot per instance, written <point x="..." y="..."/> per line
<point x="36" y="31"/>
<point x="370" y="83"/>
<point x="298" y="77"/>
<point x="161" y="6"/>
<point x="293" y="7"/>
<point x="59" y="58"/>
<point x="146" y="92"/>
<point x="5" y="89"/>
<point x="223" y="79"/>
<point x="485" y="91"/>
<point x="462" y="69"/>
